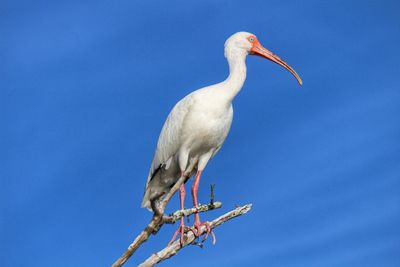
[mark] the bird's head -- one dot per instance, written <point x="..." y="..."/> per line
<point x="247" y="43"/>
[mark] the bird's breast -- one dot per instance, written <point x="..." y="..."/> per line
<point x="207" y="126"/>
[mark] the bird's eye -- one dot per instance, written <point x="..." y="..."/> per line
<point x="251" y="39"/>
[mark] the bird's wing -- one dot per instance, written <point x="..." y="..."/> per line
<point x="170" y="137"/>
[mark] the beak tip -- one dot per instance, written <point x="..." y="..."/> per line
<point x="299" y="80"/>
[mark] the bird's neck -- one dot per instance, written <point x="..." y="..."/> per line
<point x="237" y="72"/>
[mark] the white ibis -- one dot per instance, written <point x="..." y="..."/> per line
<point x="197" y="127"/>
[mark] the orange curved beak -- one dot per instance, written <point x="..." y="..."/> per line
<point x="259" y="50"/>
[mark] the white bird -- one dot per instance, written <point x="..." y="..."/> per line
<point x="197" y="127"/>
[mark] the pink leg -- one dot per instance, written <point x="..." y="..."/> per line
<point x="197" y="223"/>
<point x="181" y="228"/>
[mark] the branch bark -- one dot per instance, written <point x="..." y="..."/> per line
<point x="189" y="237"/>
<point x="155" y="224"/>
<point x="187" y="212"/>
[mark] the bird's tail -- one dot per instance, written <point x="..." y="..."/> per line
<point x="146" y="200"/>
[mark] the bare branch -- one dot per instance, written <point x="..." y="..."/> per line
<point x="187" y="212"/>
<point x="156" y="223"/>
<point x="159" y="219"/>
<point x="189" y="237"/>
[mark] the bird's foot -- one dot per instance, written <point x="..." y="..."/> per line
<point x="181" y="231"/>
<point x="200" y="228"/>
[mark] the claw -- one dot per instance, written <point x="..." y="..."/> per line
<point x="198" y="231"/>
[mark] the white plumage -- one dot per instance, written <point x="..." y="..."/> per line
<point x="197" y="126"/>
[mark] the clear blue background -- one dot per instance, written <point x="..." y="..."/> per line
<point x="85" y="88"/>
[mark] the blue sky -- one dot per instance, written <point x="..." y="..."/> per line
<point x="86" y="86"/>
